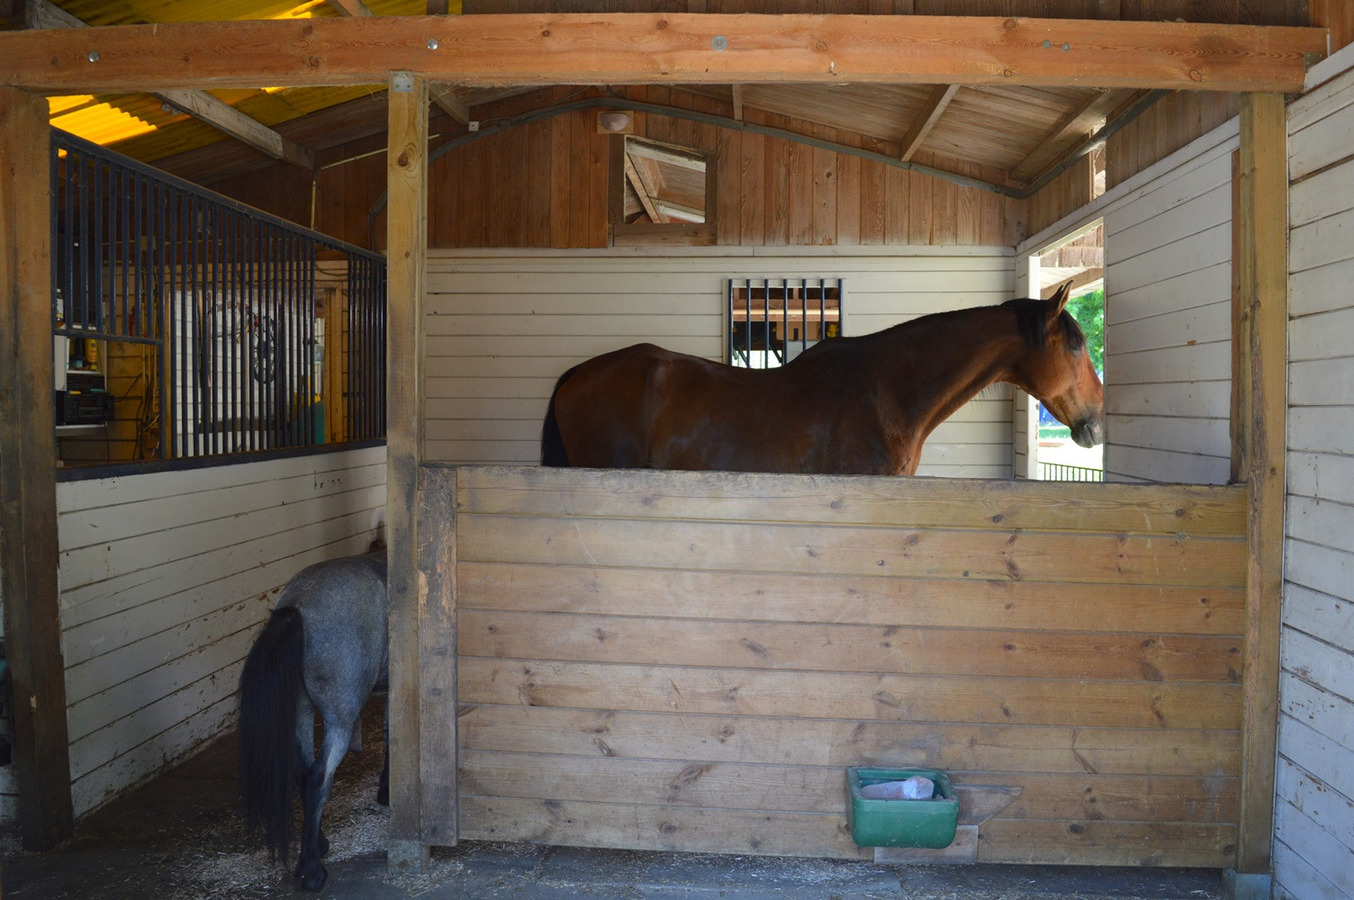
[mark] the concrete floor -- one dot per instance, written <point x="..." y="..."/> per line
<point x="179" y="837"/>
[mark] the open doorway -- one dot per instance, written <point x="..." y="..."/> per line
<point x="1080" y="257"/>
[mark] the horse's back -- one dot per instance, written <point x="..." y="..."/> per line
<point x="343" y="610"/>
<point x="603" y="410"/>
<point x="647" y="407"/>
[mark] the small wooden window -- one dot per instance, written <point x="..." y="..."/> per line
<point x="661" y="193"/>
<point x="773" y="320"/>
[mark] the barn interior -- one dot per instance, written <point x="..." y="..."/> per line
<point x="770" y="170"/>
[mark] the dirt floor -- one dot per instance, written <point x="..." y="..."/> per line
<point x="179" y="838"/>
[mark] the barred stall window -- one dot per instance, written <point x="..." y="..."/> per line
<point x="773" y="320"/>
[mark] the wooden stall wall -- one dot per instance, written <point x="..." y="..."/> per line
<point x="165" y="578"/>
<point x="688" y="661"/>
<point x="501" y="328"/>
<point x="1314" y="809"/>
<point x="544" y="184"/>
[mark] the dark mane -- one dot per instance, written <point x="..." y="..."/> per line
<point x="1033" y="324"/>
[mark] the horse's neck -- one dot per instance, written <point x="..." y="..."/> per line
<point x="933" y="369"/>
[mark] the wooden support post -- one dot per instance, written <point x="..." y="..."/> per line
<point x="437" y="653"/>
<point x="1263" y="279"/>
<point x="28" y="538"/>
<point x="406" y="232"/>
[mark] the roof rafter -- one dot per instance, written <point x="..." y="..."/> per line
<point x="1078" y="123"/>
<point x="42" y="15"/>
<point x="927" y="119"/>
<point x="647" y="48"/>
<point x="355" y="8"/>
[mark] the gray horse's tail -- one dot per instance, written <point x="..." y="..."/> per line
<point x="552" y="442"/>
<point x="269" y="687"/>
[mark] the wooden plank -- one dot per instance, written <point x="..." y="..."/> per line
<point x="1095" y="843"/>
<point x="998" y="751"/>
<point x="848" y="648"/>
<point x="28" y="519"/>
<point x="902" y="502"/>
<point x="1264" y="214"/>
<point x="775" y="597"/>
<point x="438" y="763"/>
<point x="406" y="243"/>
<point x="696" y="782"/>
<point x="582" y="824"/>
<point x="644" y="48"/>
<point x="727" y="691"/>
<point x="1051" y="558"/>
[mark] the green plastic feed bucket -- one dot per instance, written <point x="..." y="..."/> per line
<point x="900" y="823"/>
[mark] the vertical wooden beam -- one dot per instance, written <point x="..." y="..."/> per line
<point x="437" y="653"/>
<point x="28" y="537"/>
<point x="406" y="245"/>
<point x="1263" y="276"/>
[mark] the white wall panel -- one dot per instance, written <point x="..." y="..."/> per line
<point x="1168" y="322"/>
<point x="501" y="327"/>
<point x="165" y="579"/>
<point x="1314" y="809"/>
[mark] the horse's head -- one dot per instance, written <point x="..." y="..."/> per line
<point x="1056" y="367"/>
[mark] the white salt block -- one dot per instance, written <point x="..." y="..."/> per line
<point x="918" y="787"/>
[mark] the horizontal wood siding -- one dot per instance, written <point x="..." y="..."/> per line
<point x="501" y="328"/>
<point x="1314" y="808"/>
<point x="165" y="579"/>
<point x="1168" y="319"/>
<point x="688" y="661"/>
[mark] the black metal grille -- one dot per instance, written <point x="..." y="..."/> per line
<point x="773" y="320"/>
<point x="227" y="297"/>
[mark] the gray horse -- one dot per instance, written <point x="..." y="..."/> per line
<point x="323" y="649"/>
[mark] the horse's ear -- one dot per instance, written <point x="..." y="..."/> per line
<point x="1059" y="299"/>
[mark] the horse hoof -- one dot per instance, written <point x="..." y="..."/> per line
<point x="314" y="879"/>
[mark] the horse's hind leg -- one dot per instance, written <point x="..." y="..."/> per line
<point x="314" y="792"/>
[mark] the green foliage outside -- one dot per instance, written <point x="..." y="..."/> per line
<point x="1089" y="311"/>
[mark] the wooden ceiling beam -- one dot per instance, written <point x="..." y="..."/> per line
<point x="649" y="48"/>
<point x="930" y="114"/>
<point x="226" y="118"/>
<point x="217" y="113"/>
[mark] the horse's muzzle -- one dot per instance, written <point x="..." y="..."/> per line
<point x="1089" y="432"/>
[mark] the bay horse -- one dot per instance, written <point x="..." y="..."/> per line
<point x="323" y="649"/>
<point x="858" y="405"/>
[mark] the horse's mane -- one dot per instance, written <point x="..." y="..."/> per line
<point x="1031" y="321"/>
<point x="1033" y="324"/>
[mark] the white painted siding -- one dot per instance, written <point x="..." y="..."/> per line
<point x="1314" y="806"/>
<point x="165" y="578"/>
<point x="501" y="327"/>
<point x="1168" y="320"/>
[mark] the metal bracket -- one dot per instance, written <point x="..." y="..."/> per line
<point x="402" y="82"/>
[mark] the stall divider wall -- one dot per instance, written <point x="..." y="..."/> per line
<point x="1314" y="810"/>
<point x="689" y="661"/>
<point x="165" y="578"/>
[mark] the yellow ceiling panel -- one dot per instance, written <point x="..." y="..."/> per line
<point x="132" y="120"/>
